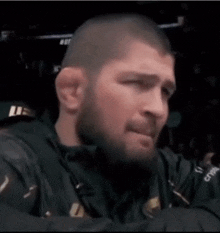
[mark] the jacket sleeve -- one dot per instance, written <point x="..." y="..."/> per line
<point x="195" y="199"/>
<point x="180" y="219"/>
<point x="191" y="181"/>
<point x="12" y="220"/>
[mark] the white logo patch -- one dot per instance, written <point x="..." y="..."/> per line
<point x="18" y="110"/>
<point x="198" y="170"/>
<point x="212" y="172"/>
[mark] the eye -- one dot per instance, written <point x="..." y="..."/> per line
<point x="139" y="81"/>
<point x="167" y="92"/>
<point x="136" y="82"/>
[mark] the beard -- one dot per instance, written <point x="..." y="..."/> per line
<point x="119" y="165"/>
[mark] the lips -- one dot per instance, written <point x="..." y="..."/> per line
<point x="144" y="129"/>
<point x="146" y="133"/>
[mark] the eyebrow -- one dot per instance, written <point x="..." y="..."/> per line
<point x="167" y="82"/>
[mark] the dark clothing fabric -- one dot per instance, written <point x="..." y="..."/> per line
<point x="45" y="186"/>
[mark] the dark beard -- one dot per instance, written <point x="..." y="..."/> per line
<point x="126" y="173"/>
<point x="111" y="158"/>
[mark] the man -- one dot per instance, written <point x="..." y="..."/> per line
<point x="99" y="170"/>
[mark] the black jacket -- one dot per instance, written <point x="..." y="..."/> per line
<point x="45" y="186"/>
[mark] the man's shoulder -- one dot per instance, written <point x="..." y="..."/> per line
<point x="27" y="141"/>
<point x="176" y="167"/>
<point x="26" y="127"/>
<point x="168" y="156"/>
<point x="27" y="135"/>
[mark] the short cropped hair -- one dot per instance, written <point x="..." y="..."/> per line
<point x="105" y="37"/>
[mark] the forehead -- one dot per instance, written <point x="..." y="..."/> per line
<point x="144" y="59"/>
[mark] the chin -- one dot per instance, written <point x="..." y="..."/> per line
<point x="127" y="165"/>
<point x="134" y="167"/>
<point x="144" y="159"/>
<point x="140" y="153"/>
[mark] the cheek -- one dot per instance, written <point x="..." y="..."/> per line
<point x="116" y="108"/>
<point x="166" y="113"/>
<point x="163" y="120"/>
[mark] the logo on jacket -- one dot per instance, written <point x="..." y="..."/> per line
<point x="19" y="110"/>
<point x="199" y="170"/>
<point x="152" y="207"/>
<point x="77" y="210"/>
<point x="211" y="173"/>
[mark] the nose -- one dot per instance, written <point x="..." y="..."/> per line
<point x="155" y="104"/>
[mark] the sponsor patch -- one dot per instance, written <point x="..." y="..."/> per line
<point x="19" y="111"/>
<point x="211" y="174"/>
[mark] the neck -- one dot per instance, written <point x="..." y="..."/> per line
<point x="65" y="128"/>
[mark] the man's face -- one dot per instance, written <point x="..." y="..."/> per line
<point x="127" y="106"/>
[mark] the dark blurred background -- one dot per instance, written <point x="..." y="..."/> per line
<point x="34" y="37"/>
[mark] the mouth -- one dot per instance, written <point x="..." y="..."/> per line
<point x="146" y="131"/>
<point x="143" y="128"/>
<point x="146" y="139"/>
<point x="151" y="135"/>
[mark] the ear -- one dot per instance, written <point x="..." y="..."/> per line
<point x="70" y="85"/>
